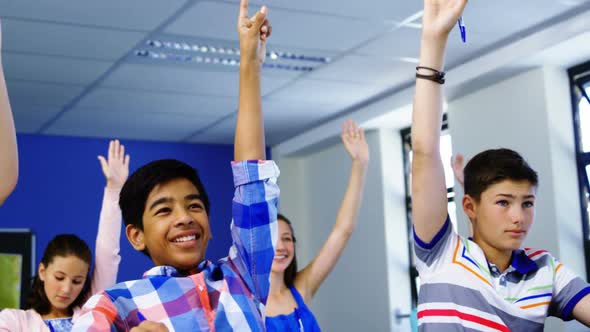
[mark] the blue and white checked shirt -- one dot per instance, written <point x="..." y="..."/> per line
<point x="225" y="296"/>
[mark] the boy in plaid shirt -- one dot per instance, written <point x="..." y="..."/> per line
<point x="166" y="212"/>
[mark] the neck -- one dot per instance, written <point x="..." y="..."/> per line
<point x="500" y="258"/>
<point x="277" y="283"/>
<point x="56" y="313"/>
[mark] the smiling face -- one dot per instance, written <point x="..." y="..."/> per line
<point x="503" y="216"/>
<point x="63" y="280"/>
<point x="285" y="250"/>
<point x="175" y="226"/>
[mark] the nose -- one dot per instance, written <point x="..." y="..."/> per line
<point x="66" y="288"/>
<point x="516" y="215"/>
<point x="183" y="218"/>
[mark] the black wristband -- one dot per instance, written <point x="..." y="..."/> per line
<point x="437" y="76"/>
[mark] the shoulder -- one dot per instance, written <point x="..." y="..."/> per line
<point x="538" y="255"/>
<point x="20" y="318"/>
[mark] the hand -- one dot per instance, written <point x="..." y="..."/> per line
<point x="353" y="139"/>
<point x="253" y="32"/>
<point x="457" y="165"/>
<point x="440" y="16"/>
<point x="147" y="326"/>
<point x="116" y="169"/>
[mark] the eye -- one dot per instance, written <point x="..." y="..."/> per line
<point x="78" y="282"/>
<point x="163" y="211"/>
<point x="196" y="206"/>
<point x="502" y="202"/>
<point x="528" y="204"/>
<point x="59" y="278"/>
<point x="288" y="239"/>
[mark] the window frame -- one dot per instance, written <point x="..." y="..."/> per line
<point x="579" y="77"/>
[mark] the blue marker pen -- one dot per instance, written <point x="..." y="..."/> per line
<point x="140" y="316"/>
<point x="462" y="29"/>
<point x="50" y="327"/>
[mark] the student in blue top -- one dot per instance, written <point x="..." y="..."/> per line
<point x="292" y="290"/>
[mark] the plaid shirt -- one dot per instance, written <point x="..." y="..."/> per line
<point x="225" y="296"/>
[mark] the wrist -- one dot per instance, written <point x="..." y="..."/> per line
<point x="248" y="64"/>
<point x="432" y="52"/>
<point x="361" y="164"/>
<point x="113" y="185"/>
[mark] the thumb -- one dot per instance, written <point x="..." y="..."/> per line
<point x="103" y="165"/>
<point x="259" y="18"/>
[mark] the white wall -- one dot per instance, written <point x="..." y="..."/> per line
<point x="362" y="292"/>
<point x="532" y="114"/>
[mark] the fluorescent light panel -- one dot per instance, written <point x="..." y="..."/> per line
<point x="206" y="53"/>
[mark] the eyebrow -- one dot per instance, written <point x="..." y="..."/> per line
<point x="190" y="197"/>
<point x="65" y="274"/>
<point x="513" y="196"/>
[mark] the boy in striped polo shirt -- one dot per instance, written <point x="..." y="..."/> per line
<point x="166" y="212"/>
<point x="486" y="283"/>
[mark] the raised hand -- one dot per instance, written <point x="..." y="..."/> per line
<point x="253" y="32"/>
<point x="440" y="16"/>
<point x="353" y="138"/>
<point x="116" y="168"/>
<point x="457" y="165"/>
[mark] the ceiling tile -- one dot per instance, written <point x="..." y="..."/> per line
<point x="66" y="40"/>
<point x="41" y="94"/>
<point x="222" y="132"/>
<point x="138" y="102"/>
<point x="128" y="125"/>
<point x="29" y="119"/>
<point x="147" y="14"/>
<point x="184" y="80"/>
<point x="372" y="9"/>
<point x="52" y="68"/>
<point x="366" y="69"/>
<point x="339" y="95"/>
<point x="320" y="32"/>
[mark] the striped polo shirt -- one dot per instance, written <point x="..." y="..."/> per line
<point x="461" y="291"/>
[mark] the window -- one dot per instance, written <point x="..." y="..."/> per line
<point x="580" y="85"/>
<point x="446" y="152"/>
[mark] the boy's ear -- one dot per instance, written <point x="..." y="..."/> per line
<point x="135" y="237"/>
<point x="469" y="207"/>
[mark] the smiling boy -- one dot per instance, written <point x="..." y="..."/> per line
<point x="166" y="212"/>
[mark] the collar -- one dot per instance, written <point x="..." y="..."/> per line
<point x="522" y="263"/>
<point x="169" y="271"/>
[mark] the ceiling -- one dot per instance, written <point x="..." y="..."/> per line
<point x="72" y="66"/>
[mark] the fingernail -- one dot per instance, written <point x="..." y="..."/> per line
<point x="263" y="10"/>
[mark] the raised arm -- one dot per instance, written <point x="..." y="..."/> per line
<point x="254" y="207"/>
<point x="8" y="149"/>
<point x="429" y="194"/>
<point x="249" y="141"/>
<point x="116" y="170"/>
<point x="311" y="277"/>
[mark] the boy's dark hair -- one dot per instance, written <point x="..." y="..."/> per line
<point x="291" y="270"/>
<point x="63" y="245"/>
<point x="493" y="166"/>
<point x="140" y="184"/>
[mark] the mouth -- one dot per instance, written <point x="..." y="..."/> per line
<point x="517" y="233"/>
<point x="63" y="298"/>
<point x="186" y="239"/>
<point x="280" y="258"/>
